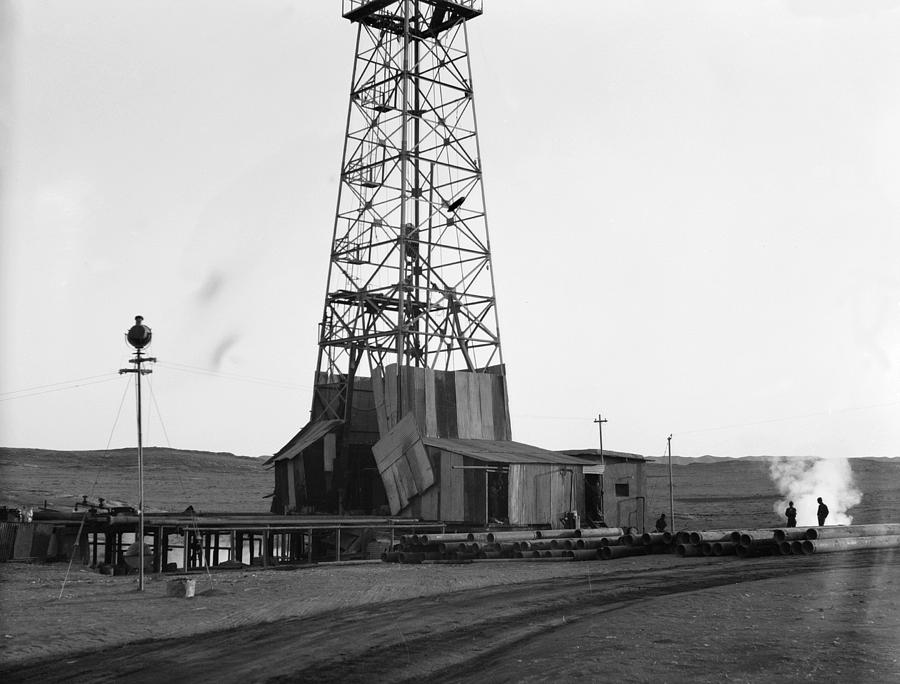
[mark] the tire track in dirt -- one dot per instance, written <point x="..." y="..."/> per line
<point x="439" y="637"/>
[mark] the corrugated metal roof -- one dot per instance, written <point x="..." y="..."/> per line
<point x="499" y="451"/>
<point x="309" y="435"/>
<point x="593" y="455"/>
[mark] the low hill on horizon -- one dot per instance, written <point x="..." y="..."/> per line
<point x="173" y="478"/>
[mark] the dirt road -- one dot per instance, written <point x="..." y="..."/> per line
<point x="828" y="618"/>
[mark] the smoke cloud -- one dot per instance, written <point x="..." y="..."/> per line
<point x="803" y="480"/>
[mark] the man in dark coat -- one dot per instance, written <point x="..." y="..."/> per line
<point x="791" y="514"/>
<point x="822" y="512"/>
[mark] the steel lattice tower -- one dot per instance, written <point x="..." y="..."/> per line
<point x="410" y="278"/>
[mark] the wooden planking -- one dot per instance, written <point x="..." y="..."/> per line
<point x="390" y="488"/>
<point x="501" y="408"/>
<point x="445" y="403"/>
<point x="452" y="487"/>
<point x="461" y="390"/>
<point x="403" y="463"/>
<point x="475" y="497"/>
<point x="291" y="491"/>
<point x="473" y="402"/>
<point x="378" y="394"/>
<point x="486" y="405"/>
<point x="418" y="386"/>
<point x="390" y="396"/>
<point x="431" y="424"/>
<point x="430" y="504"/>
<point x="297" y="465"/>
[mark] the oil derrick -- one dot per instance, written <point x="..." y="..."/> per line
<point x="410" y="291"/>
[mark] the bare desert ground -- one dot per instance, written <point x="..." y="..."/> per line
<point x="821" y="618"/>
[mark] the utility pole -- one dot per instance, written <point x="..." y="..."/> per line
<point x="600" y="420"/>
<point x="671" y="490"/>
<point x="139" y="336"/>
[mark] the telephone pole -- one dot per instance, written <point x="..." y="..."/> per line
<point x="671" y="489"/>
<point x="600" y="420"/>
<point x="139" y="336"/>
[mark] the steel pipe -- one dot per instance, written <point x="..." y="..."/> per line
<point x="761" y="547"/>
<point x="438" y="538"/>
<point x="789" y="534"/>
<point x="510" y="535"/>
<point x="699" y="536"/>
<point x="886" y="541"/>
<point x="841" y="531"/>
<point x="584" y="544"/>
<point x="604" y="532"/>
<point x="555" y="534"/>
<point x="610" y="552"/>
<point x="585" y="554"/>
<point x="650" y="538"/>
<point x="724" y="548"/>
<point x="684" y="550"/>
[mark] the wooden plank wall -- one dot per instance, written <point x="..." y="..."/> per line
<point x="453" y="404"/>
<point x="540" y="494"/>
<point x="452" y="506"/>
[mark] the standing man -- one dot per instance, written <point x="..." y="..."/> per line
<point x="791" y="514"/>
<point x="822" y="512"/>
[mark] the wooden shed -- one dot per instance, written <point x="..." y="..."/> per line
<point x="442" y="451"/>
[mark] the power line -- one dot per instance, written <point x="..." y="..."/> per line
<point x="57" y="384"/>
<point x="58" y="389"/>
<point x="184" y="368"/>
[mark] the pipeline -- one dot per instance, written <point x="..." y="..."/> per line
<point x="655" y="538"/>
<point x="842" y="531"/>
<point x="884" y="541"/>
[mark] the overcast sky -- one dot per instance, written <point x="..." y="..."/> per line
<point x="694" y="210"/>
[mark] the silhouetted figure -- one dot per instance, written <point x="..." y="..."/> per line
<point x="791" y="514"/>
<point x="822" y="512"/>
<point x="196" y="553"/>
<point x="661" y="523"/>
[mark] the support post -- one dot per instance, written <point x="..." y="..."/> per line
<point x="671" y="489"/>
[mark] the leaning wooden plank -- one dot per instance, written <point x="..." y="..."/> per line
<point x="391" y="447"/>
<point x="399" y="487"/>
<point x="420" y="465"/>
<point x="406" y="481"/>
<point x="390" y="488"/>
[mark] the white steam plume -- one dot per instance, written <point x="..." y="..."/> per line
<point x="803" y="480"/>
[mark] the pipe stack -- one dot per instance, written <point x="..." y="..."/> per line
<point x="584" y="544"/>
<point x="786" y="542"/>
